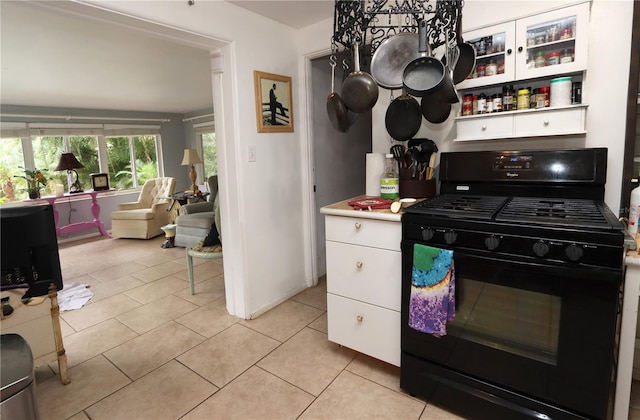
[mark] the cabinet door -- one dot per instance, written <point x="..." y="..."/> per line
<point x="494" y="49"/>
<point x="552" y="43"/>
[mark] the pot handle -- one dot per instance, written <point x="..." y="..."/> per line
<point x="422" y="38"/>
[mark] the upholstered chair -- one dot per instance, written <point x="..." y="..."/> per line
<point x="143" y="219"/>
<point x="195" y="220"/>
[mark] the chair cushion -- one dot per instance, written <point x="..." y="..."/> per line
<point x="197" y="220"/>
<point x="139" y="214"/>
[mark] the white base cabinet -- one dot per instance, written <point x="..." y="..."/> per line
<point x="364" y="285"/>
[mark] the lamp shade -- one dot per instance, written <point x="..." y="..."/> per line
<point x="191" y="157"/>
<point x="67" y="162"/>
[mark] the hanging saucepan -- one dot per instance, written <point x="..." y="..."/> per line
<point x="403" y="117"/>
<point x="359" y="90"/>
<point x="467" y="56"/>
<point x="426" y="75"/>
<point x="336" y="109"/>
<point x="391" y="57"/>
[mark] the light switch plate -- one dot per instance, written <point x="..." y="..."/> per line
<point x="252" y="154"/>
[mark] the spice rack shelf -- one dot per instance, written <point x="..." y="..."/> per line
<point x="540" y="122"/>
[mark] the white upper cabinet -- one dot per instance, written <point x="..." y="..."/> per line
<point x="542" y="45"/>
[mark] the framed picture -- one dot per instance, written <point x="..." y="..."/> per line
<point x="274" y="108"/>
<point x="100" y="182"/>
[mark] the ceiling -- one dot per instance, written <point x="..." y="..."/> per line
<point x="52" y="58"/>
<point x="294" y="13"/>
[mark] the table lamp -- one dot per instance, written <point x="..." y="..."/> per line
<point x="191" y="158"/>
<point x="69" y="163"/>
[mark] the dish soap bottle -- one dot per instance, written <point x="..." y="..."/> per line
<point x="389" y="182"/>
<point x="634" y="210"/>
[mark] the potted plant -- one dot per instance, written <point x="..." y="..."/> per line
<point x="36" y="181"/>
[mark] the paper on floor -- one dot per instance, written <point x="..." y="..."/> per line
<point x="73" y="296"/>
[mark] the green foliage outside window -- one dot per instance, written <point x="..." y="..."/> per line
<point x="210" y="152"/>
<point x="121" y="174"/>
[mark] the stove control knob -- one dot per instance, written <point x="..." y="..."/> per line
<point x="492" y="242"/>
<point x="540" y="248"/>
<point x="450" y="236"/>
<point x="427" y="234"/>
<point x="574" y="252"/>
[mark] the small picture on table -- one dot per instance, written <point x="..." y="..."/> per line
<point x="100" y="182"/>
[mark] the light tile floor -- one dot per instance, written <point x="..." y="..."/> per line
<point x="144" y="348"/>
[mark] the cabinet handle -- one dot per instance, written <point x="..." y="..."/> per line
<point x="520" y="49"/>
<point x="484" y="128"/>
<point x="509" y="51"/>
<point x="359" y="264"/>
<point x="358" y="225"/>
<point x="359" y="318"/>
<point x="546" y="122"/>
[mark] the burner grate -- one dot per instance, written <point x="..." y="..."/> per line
<point x="570" y="212"/>
<point x="467" y="206"/>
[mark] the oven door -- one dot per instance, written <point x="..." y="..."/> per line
<point x="541" y="331"/>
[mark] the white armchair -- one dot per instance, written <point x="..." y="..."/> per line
<point x="143" y="219"/>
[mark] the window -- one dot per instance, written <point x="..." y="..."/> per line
<point x="11" y="158"/>
<point x="132" y="160"/>
<point x="210" y="154"/>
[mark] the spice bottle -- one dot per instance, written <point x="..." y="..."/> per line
<point x="523" y="99"/>
<point x="389" y="181"/>
<point x="492" y="68"/>
<point x="482" y="104"/>
<point x="554" y="58"/>
<point x="539" y="60"/>
<point x="507" y="98"/>
<point x="475" y="104"/>
<point x="497" y="102"/>
<point x="532" y="97"/>
<point x="467" y="104"/>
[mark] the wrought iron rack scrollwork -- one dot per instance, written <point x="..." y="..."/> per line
<point x="373" y="21"/>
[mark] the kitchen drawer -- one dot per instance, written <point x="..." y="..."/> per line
<point x="369" y="329"/>
<point x="366" y="274"/>
<point x="550" y="122"/>
<point x="481" y="127"/>
<point x="353" y="230"/>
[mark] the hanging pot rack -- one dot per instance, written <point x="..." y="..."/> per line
<point x="370" y="22"/>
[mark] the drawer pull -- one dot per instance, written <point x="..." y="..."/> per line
<point x="546" y="122"/>
<point x="359" y="318"/>
<point x="359" y="264"/>
<point x="484" y="128"/>
<point x="358" y="225"/>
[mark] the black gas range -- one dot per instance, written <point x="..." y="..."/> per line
<point x="538" y="270"/>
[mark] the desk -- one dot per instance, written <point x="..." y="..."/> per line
<point x="78" y="226"/>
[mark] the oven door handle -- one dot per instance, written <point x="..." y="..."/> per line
<point x="492" y="398"/>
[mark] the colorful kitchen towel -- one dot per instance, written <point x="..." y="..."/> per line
<point x="432" y="302"/>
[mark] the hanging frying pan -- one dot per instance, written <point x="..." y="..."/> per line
<point x="426" y="75"/>
<point x="403" y="117"/>
<point x="467" y="57"/>
<point x="359" y="90"/>
<point x="435" y="109"/>
<point x="336" y="109"/>
<point x="391" y="57"/>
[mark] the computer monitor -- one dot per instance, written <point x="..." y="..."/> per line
<point x="29" y="249"/>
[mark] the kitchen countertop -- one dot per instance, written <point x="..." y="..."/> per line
<point x="342" y="208"/>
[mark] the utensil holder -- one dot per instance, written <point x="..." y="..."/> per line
<point x="418" y="189"/>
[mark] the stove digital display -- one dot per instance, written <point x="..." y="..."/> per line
<point x="513" y="162"/>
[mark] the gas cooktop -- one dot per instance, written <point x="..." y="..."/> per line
<point x="568" y="213"/>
